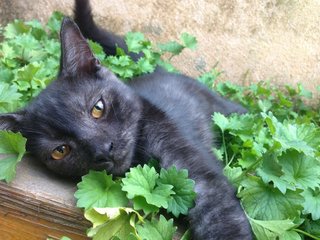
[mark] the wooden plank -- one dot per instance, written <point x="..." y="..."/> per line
<point x="15" y="225"/>
<point x="38" y="204"/>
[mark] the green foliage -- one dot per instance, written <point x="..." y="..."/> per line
<point x="272" y="156"/>
<point x="12" y="145"/>
<point x="142" y="182"/>
<point x="175" y="48"/>
<point x="107" y="207"/>
<point x="113" y="223"/>
<point x="125" y="67"/>
<point x="274" y="229"/>
<point x="29" y="60"/>
<point x="183" y="195"/>
<point x="209" y="78"/>
<point x="97" y="189"/>
<point x="161" y="229"/>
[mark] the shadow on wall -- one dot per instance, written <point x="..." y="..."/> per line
<point x="275" y="40"/>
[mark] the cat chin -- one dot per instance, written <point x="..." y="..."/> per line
<point x="115" y="167"/>
<point x="120" y="168"/>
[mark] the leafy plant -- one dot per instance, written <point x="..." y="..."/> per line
<point x="13" y="146"/>
<point x="106" y="202"/>
<point x="272" y="156"/>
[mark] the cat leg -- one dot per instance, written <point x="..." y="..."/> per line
<point x="217" y="213"/>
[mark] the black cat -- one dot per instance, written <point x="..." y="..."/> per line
<point x="89" y="119"/>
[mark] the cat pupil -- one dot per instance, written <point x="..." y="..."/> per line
<point x="61" y="149"/>
<point x="98" y="107"/>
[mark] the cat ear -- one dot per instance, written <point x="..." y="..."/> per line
<point x="76" y="56"/>
<point x="11" y="121"/>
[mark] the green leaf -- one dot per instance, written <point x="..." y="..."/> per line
<point x="123" y="66"/>
<point x="97" y="189"/>
<point x="37" y="29"/>
<point x="9" y="97"/>
<point x="145" y="65"/>
<point x="54" y="23"/>
<point x="210" y="77"/>
<point x="218" y="153"/>
<point x="288" y="135"/>
<point x="113" y="223"/>
<point x="290" y="235"/>
<point x="221" y="121"/>
<point x="300" y="170"/>
<point x="235" y="174"/>
<point x="136" y="42"/>
<point x="12" y="145"/>
<point x="142" y="182"/>
<point x="264" y="105"/>
<point x="172" y="47"/>
<point x="17" y="27"/>
<point x="7" y="51"/>
<point x="161" y="229"/>
<point x="183" y="188"/>
<point x="140" y="203"/>
<point x="271" y="230"/>
<point x="271" y="171"/>
<point x="264" y="202"/>
<point x="189" y="41"/>
<point x="304" y="92"/>
<point x="312" y="203"/>
<point x="97" y="50"/>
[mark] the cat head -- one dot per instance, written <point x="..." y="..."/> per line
<point x="85" y="119"/>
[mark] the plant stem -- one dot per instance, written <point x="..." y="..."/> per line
<point x="225" y="148"/>
<point x="231" y="159"/>
<point x="305" y="233"/>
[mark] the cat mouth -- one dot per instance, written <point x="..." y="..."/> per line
<point x="103" y="164"/>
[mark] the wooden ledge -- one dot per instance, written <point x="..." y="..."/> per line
<point x="38" y="205"/>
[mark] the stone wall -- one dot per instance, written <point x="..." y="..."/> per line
<point x="252" y="40"/>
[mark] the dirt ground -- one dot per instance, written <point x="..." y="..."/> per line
<point x="252" y="40"/>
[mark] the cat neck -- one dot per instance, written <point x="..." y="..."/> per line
<point x="153" y="124"/>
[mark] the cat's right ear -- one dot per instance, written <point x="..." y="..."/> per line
<point x="76" y="55"/>
<point x="11" y="121"/>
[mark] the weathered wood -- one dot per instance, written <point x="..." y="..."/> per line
<point x="39" y="204"/>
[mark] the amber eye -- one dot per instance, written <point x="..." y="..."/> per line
<point x="60" y="152"/>
<point x="97" y="109"/>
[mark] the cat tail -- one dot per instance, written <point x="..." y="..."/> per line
<point x="109" y="41"/>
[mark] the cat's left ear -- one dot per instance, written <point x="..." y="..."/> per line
<point x="11" y="121"/>
<point x="76" y="56"/>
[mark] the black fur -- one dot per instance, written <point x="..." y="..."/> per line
<point x="161" y="115"/>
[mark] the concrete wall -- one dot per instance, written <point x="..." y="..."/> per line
<point x="253" y="40"/>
